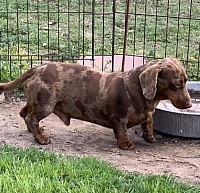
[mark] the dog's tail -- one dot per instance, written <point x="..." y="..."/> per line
<point x="10" y="86"/>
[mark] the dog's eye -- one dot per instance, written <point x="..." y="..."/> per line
<point x="175" y="87"/>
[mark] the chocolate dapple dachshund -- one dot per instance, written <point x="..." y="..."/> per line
<point x="117" y="100"/>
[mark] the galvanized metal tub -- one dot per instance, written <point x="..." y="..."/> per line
<point x="183" y="123"/>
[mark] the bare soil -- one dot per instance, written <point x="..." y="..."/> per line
<point x="174" y="156"/>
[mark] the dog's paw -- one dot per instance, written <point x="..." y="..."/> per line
<point x="125" y="144"/>
<point x="42" y="139"/>
<point x="149" y="138"/>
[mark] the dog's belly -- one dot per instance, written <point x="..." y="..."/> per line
<point x="105" y="122"/>
<point x="96" y="114"/>
<point x="89" y="113"/>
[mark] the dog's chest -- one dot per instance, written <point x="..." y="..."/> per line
<point x="135" y="117"/>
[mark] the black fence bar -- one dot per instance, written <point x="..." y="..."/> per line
<point x="48" y="29"/>
<point x="38" y="29"/>
<point x="103" y="34"/>
<point x="93" y="31"/>
<point x="155" y="35"/>
<point x="113" y="33"/>
<point x="189" y="30"/>
<point x="58" y="29"/>
<point x="7" y="28"/>
<point x="27" y="28"/>
<point x="167" y="25"/>
<point x="83" y="33"/>
<point x="145" y="17"/>
<point x="134" y="30"/>
<point x="79" y="27"/>
<point x="178" y="27"/>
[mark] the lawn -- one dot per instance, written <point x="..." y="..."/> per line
<point x="62" y="30"/>
<point x="31" y="170"/>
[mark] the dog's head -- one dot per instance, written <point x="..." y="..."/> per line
<point x="166" y="79"/>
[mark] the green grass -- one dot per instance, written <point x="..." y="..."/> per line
<point x="31" y="170"/>
<point x="46" y="28"/>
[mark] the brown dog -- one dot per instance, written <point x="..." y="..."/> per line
<point x="117" y="100"/>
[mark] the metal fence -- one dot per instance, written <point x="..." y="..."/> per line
<point x="34" y="31"/>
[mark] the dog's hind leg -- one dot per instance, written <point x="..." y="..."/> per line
<point x="32" y="121"/>
<point x="25" y="110"/>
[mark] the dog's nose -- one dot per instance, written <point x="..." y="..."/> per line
<point x="186" y="105"/>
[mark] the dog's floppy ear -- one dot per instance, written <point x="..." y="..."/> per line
<point x="148" y="81"/>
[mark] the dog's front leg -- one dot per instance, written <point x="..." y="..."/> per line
<point x="120" y="132"/>
<point x="148" y="130"/>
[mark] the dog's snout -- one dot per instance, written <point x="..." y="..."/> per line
<point x="188" y="105"/>
<point x="182" y="101"/>
<point x="185" y="104"/>
<point x="186" y="100"/>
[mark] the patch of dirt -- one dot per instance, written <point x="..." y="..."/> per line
<point x="179" y="157"/>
